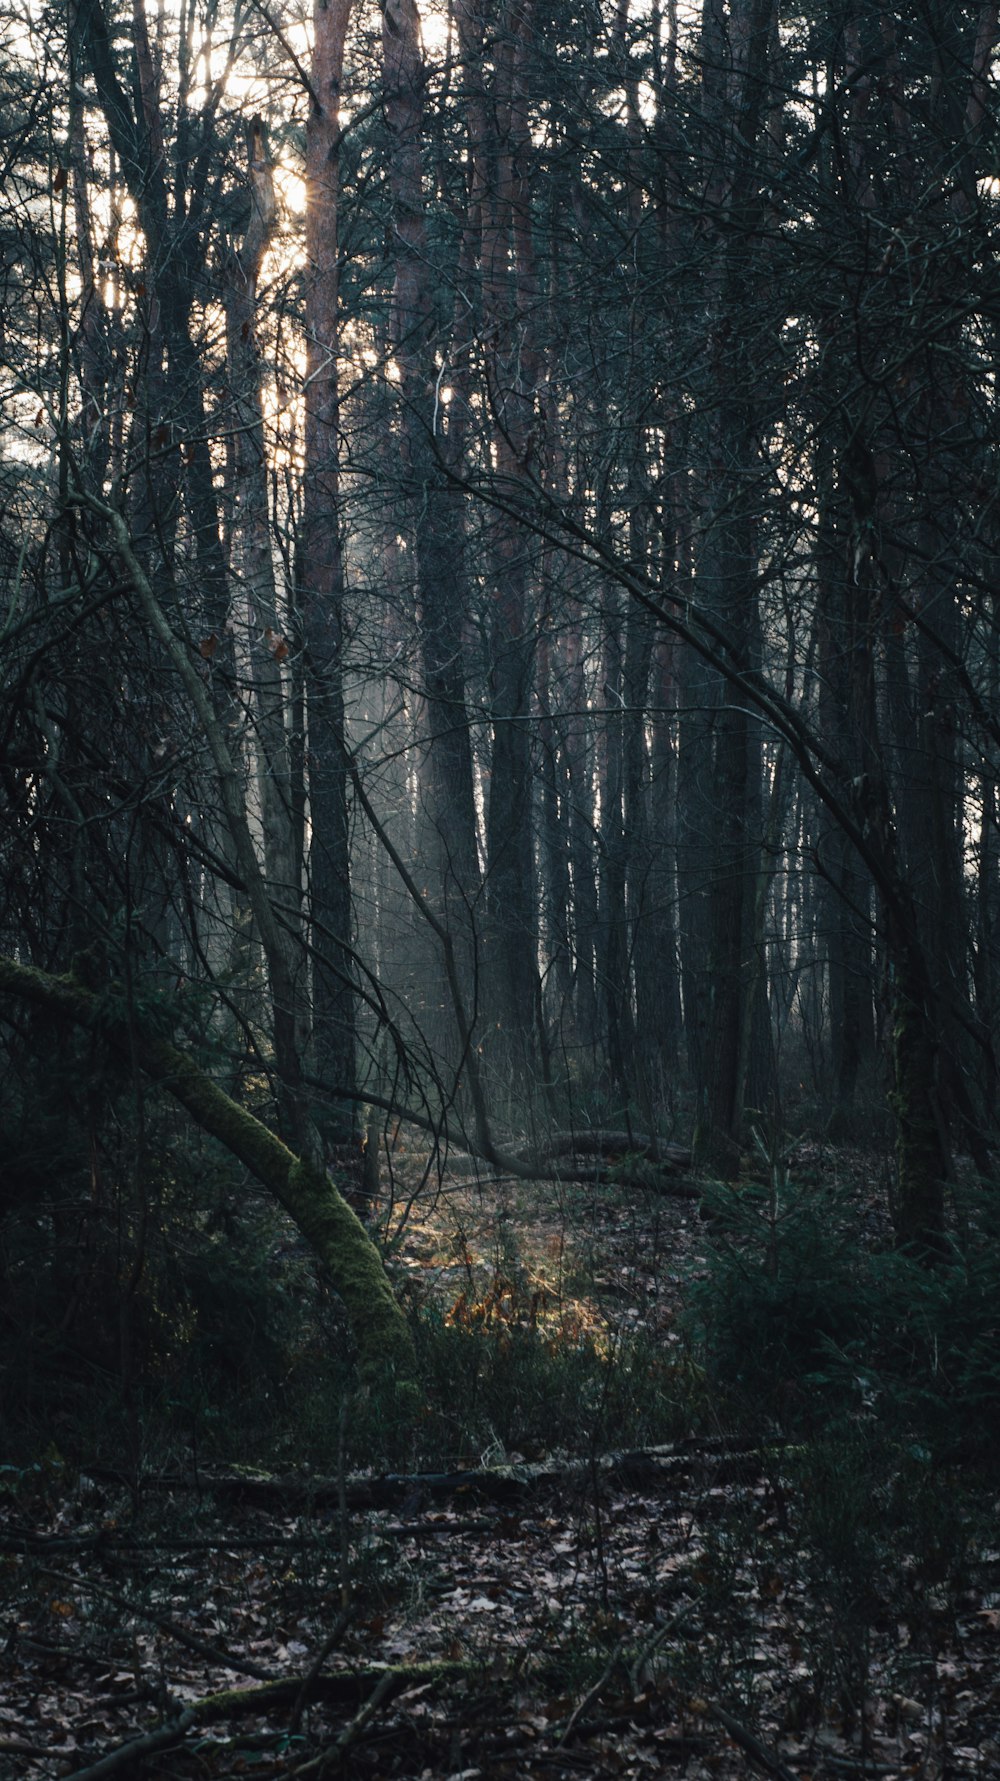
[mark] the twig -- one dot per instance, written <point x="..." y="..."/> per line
<point x="564" y="1758"/>
<point x="137" y="1748"/>
<point x="340" y="1627"/>
<point x="643" y="1656"/>
<point x="422" y="1530"/>
<point x="275" y="28"/>
<point x="592" y="1693"/>
<point x="663" y="1632"/>
<point x="858" y="1765"/>
<point x="757" y="1752"/>
<point x="214" y="1653"/>
<point x="388" y="1684"/>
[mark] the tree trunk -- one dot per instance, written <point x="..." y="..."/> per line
<point x="658" y="998"/>
<point x="385" y="1348"/>
<point x="499" y="148"/>
<point x="734" y="75"/>
<point x="431" y="510"/>
<point x="254" y="560"/>
<point x="321" y="596"/>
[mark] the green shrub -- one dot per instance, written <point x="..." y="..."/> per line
<point x="798" y="1321"/>
<point x="780" y="1290"/>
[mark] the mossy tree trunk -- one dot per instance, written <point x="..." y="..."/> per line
<point x="386" y="1355"/>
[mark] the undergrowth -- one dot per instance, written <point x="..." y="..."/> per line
<point x="800" y="1324"/>
<point x="874" y="1382"/>
<point x="866" y="1385"/>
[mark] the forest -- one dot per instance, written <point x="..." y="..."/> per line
<point x="500" y="889"/>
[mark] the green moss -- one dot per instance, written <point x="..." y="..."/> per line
<point x="386" y="1354"/>
<point x="385" y="1347"/>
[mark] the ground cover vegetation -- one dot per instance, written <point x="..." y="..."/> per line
<point x="499" y="888"/>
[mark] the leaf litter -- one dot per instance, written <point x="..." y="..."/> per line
<point x="585" y="1629"/>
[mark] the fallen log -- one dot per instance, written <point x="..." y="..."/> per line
<point x="642" y="1468"/>
<point x="610" y="1144"/>
<point x="641" y="1173"/>
<point x="627" y="1159"/>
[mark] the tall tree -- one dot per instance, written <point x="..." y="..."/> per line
<point x="430" y="440"/>
<point x="499" y="150"/>
<point x="320" y="571"/>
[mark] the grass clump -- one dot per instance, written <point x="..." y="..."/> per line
<point x="500" y="1381"/>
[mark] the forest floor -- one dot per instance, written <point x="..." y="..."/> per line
<point x="543" y="1614"/>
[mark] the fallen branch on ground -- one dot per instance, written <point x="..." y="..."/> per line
<point x="642" y="1468"/>
<point x="750" y="1744"/>
<point x="345" y="1688"/>
<point x="329" y="1645"/>
<point x="124" y="1755"/>
<point x="201" y="1647"/>
<point x="607" y="1143"/>
<point x="126" y="1546"/>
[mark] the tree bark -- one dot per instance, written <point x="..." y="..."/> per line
<point x="499" y="150"/>
<point x="432" y="508"/>
<point x="252" y="551"/>
<point x="734" y="72"/>
<point x="321" y="592"/>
